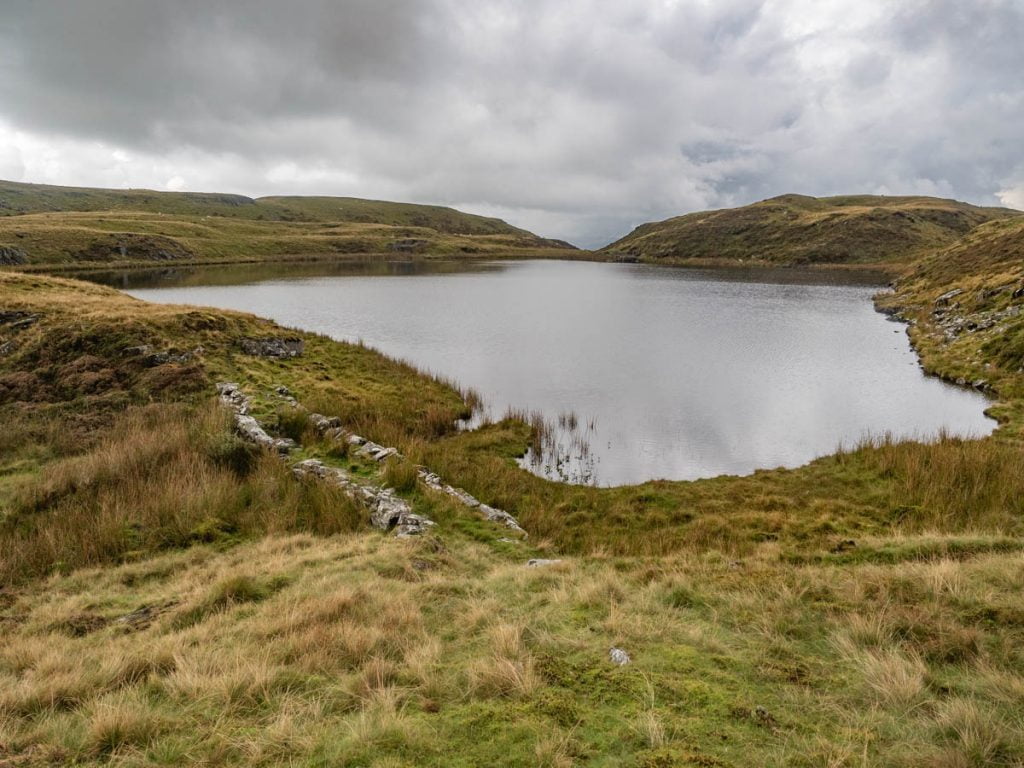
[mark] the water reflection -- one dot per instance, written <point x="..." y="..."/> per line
<point x="683" y="373"/>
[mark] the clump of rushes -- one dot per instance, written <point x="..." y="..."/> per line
<point x="293" y="423"/>
<point x="400" y="474"/>
<point x="234" y="590"/>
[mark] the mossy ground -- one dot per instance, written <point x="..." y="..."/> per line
<point x="862" y="610"/>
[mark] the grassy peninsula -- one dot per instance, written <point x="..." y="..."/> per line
<point x="170" y="594"/>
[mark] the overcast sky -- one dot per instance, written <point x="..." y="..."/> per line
<point x="574" y="118"/>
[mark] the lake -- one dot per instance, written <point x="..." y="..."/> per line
<point x="643" y="372"/>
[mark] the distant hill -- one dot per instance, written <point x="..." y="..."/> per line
<point x="796" y="229"/>
<point x="43" y="224"/>
<point x="17" y="198"/>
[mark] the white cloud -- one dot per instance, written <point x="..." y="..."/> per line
<point x="1013" y="197"/>
<point x="579" y="119"/>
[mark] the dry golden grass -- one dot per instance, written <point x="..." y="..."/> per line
<point x="345" y="661"/>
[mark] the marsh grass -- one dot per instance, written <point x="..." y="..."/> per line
<point x="400" y="474"/>
<point x="166" y="475"/>
<point x="948" y="483"/>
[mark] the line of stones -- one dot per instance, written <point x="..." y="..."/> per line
<point x="387" y="510"/>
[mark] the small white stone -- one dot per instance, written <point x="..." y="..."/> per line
<point x="618" y="656"/>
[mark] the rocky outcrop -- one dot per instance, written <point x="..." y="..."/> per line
<point x="283" y="347"/>
<point x="388" y="511"/>
<point x="324" y="424"/>
<point x="16" y="320"/>
<point x="950" y="318"/>
<point x="247" y="426"/>
<point x="152" y="358"/>
<point x="376" y="452"/>
<point x="130" y="246"/>
<point x="500" y="516"/>
<point x="10" y="257"/>
<point x="408" y="245"/>
<point x="250" y="430"/>
<point x="618" y="657"/>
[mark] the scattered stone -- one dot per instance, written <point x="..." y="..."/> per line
<point x="430" y="479"/>
<point x="413" y="525"/>
<point x="944" y="298"/>
<point x="619" y="657"/>
<point x="10" y="257"/>
<point x="153" y="359"/>
<point x="233" y="397"/>
<point x="246" y="426"/>
<point x="461" y="496"/>
<point x="273" y="347"/>
<point x="324" y="424"/>
<point x="501" y="516"/>
<point x="764" y="718"/>
<point x="144" y="616"/>
<point x="843" y="546"/>
<point x="540" y="562"/>
<point x="286" y="394"/>
<point x="408" y="245"/>
<point x="251" y="430"/>
<point x="378" y="452"/>
<point x="387" y="510"/>
<point x="434" y="482"/>
<point x="17" y="320"/>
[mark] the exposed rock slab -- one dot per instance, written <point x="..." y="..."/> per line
<point x="279" y="347"/>
<point x="388" y="511"/>
<point x="618" y="657"/>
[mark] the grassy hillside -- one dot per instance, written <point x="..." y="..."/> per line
<point x="169" y="595"/>
<point x="965" y="304"/>
<point x="795" y="229"/>
<point x="67" y="226"/>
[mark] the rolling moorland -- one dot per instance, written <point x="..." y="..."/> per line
<point x="171" y="594"/>
<point x="849" y="231"/>
<point x="54" y="227"/>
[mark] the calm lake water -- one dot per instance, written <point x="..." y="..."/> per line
<point x="670" y="373"/>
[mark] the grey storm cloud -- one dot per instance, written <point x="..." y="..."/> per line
<point x="577" y="118"/>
